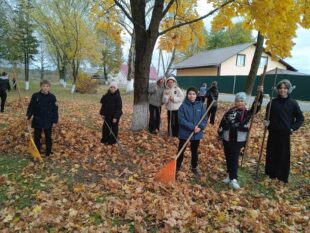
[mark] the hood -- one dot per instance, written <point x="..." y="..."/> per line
<point x="171" y="78"/>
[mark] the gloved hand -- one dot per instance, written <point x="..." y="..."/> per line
<point x="236" y="125"/>
<point x="266" y="123"/>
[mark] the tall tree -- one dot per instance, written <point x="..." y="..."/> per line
<point x="228" y="36"/>
<point x="67" y="27"/>
<point x="146" y="17"/>
<point x="276" y="21"/>
<point x="23" y="35"/>
<point x="111" y="55"/>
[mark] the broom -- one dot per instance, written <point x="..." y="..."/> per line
<point x="167" y="174"/>
<point x="258" y="95"/>
<point x="33" y="150"/>
<point x="266" y="127"/>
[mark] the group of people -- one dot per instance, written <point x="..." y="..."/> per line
<point x="184" y="113"/>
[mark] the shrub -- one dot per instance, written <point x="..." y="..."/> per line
<point x="85" y="84"/>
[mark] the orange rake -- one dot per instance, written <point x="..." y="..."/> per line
<point x="167" y="174"/>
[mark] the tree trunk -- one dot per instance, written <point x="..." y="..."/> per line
<point x="26" y="72"/>
<point x="145" y="40"/>
<point x="75" y="73"/>
<point x="105" y="73"/>
<point x="255" y="64"/>
<point x="131" y="64"/>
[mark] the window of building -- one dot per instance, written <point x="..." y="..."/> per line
<point x="240" y="60"/>
<point x="263" y="61"/>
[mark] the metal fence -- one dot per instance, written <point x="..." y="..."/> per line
<point x="234" y="84"/>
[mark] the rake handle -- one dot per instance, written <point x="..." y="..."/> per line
<point x="192" y="134"/>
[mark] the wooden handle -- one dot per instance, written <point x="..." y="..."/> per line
<point x="192" y="134"/>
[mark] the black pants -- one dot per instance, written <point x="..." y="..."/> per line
<point x="278" y="156"/>
<point x="3" y="96"/>
<point x="154" y="122"/>
<point x="232" y="152"/>
<point x="107" y="136"/>
<point x="194" y="151"/>
<point x="173" y="130"/>
<point x="211" y="114"/>
<point x="202" y="98"/>
<point x="48" y="139"/>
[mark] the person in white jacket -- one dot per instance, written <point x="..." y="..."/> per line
<point x="173" y="98"/>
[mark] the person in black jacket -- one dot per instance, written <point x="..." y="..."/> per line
<point x="233" y="130"/>
<point x="285" y="118"/>
<point x="212" y="94"/>
<point x="4" y="86"/>
<point x="43" y="110"/>
<point x="111" y="111"/>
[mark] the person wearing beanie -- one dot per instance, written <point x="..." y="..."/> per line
<point x="285" y="118"/>
<point x="156" y="92"/>
<point x="110" y="111"/>
<point x="233" y="130"/>
<point x="172" y="98"/>
<point x="189" y="114"/>
<point x="4" y="86"/>
<point x="212" y="94"/>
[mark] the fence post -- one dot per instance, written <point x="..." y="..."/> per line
<point x="234" y="84"/>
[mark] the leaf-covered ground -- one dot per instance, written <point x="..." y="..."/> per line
<point x="89" y="187"/>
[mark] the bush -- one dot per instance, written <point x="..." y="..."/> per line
<point x="85" y="84"/>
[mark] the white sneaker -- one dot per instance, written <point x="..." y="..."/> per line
<point x="226" y="180"/>
<point x="234" y="184"/>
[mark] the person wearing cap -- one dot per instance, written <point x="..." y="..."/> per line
<point x="172" y="98"/>
<point x="155" y="102"/>
<point x="233" y="130"/>
<point x="189" y="114"/>
<point x="285" y="118"/>
<point x="4" y="86"/>
<point x="110" y="111"/>
<point x="212" y="94"/>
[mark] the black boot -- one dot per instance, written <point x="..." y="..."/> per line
<point x="195" y="172"/>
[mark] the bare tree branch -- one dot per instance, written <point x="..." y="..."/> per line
<point x="168" y="7"/>
<point x="196" y="20"/>
<point x="124" y="10"/>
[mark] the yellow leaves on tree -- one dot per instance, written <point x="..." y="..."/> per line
<point x="107" y="18"/>
<point x="181" y="37"/>
<point x="277" y="20"/>
<point x="85" y="84"/>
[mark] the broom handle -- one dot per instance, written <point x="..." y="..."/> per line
<point x="192" y="134"/>
<point x="265" y="129"/>
<point x="258" y="95"/>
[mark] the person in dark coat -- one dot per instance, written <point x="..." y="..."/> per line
<point x="43" y="110"/>
<point x="233" y="130"/>
<point x="111" y="111"/>
<point x="285" y="118"/>
<point x="4" y="86"/>
<point x="189" y="114"/>
<point x="212" y="94"/>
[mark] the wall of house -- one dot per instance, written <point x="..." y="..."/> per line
<point x="229" y="67"/>
<point x="212" y="71"/>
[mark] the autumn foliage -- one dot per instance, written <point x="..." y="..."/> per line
<point x="85" y="84"/>
<point x="88" y="187"/>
